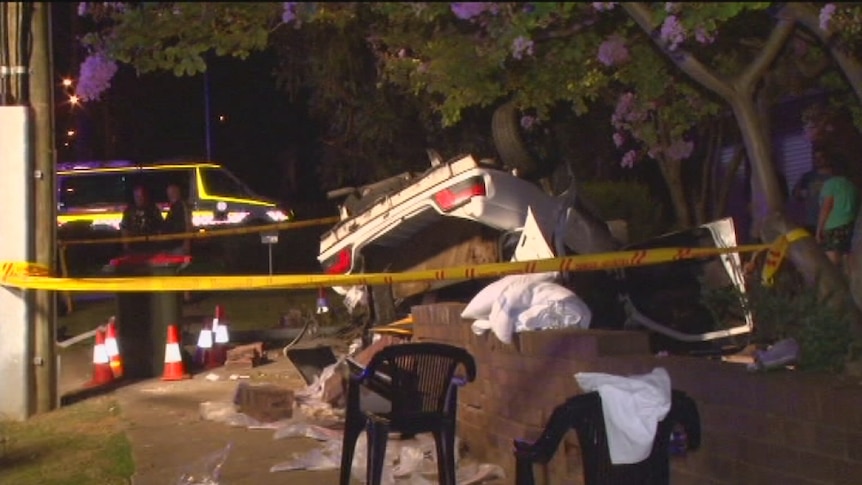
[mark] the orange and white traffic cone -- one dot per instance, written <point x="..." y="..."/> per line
<point x="222" y="336"/>
<point x="101" y="366"/>
<point x="174" y="368"/>
<point x="113" y="349"/>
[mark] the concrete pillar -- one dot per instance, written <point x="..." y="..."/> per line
<point x="16" y="244"/>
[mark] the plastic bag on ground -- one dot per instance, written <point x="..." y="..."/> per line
<point x="206" y="471"/>
<point x="225" y="412"/>
<point x="326" y="458"/>
<point x="302" y="429"/>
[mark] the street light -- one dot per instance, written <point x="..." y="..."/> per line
<point x="67" y="82"/>
<point x="74" y="100"/>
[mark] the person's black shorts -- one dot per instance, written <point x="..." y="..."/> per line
<point x="838" y="239"/>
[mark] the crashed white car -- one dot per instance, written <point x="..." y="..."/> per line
<point x="436" y="215"/>
<point x="469" y="212"/>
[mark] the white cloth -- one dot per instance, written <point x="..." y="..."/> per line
<point x="525" y="302"/>
<point x="633" y="407"/>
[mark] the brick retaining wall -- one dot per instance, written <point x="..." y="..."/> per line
<point x="782" y="428"/>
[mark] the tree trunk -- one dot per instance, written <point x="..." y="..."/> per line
<point x="707" y="176"/>
<point x="816" y="269"/>
<point x="756" y="142"/>
<point x="671" y="170"/>
<point x="724" y="191"/>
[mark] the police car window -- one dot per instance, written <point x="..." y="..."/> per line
<point x="218" y="182"/>
<point x="157" y="182"/>
<point x="91" y="190"/>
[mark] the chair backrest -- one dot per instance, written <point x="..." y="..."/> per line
<point x="588" y="421"/>
<point x="421" y="375"/>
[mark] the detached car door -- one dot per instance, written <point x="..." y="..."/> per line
<point x="669" y="298"/>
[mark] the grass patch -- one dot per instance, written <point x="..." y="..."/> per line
<point x="82" y="444"/>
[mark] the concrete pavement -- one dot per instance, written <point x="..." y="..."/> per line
<point x="168" y="436"/>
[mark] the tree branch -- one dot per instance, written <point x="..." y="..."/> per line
<point x="640" y="13"/>
<point x="747" y="80"/>
<point x="809" y="18"/>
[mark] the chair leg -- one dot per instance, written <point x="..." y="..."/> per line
<point x="524" y="471"/>
<point x="444" y="440"/>
<point x="352" y="429"/>
<point x="378" y="434"/>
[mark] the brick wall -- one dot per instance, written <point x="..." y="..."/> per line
<point x="775" y="428"/>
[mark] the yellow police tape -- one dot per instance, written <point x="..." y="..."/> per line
<point x="279" y="226"/>
<point x="31" y="276"/>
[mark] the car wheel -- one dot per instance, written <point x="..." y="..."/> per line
<point x="510" y="145"/>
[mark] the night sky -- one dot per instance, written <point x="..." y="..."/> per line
<point x="158" y="115"/>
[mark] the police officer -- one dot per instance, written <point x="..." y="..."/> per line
<point x="141" y="218"/>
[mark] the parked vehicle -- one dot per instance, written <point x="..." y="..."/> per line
<point x="469" y="212"/>
<point x="94" y="194"/>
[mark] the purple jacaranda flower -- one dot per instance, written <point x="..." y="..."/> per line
<point x="626" y="110"/>
<point x="671" y="7"/>
<point x="613" y="51"/>
<point x="672" y="32"/>
<point x="289" y="14"/>
<point x="97" y="70"/>
<point x="527" y="122"/>
<point x="520" y="46"/>
<point x="469" y="10"/>
<point x="619" y="139"/>
<point x="826" y="13"/>
<point x="83" y="8"/>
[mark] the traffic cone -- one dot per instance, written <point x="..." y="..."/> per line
<point x="205" y="345"/>
<point x="222" y="335"/>
<point x="101" y="365"/>
<point x="113" y="349"/>
<point x="174" y="368"/>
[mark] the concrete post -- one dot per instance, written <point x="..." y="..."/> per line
<point x="16" y="213"/>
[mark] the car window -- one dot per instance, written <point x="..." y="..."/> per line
<point x="89" y="190"/>
<point x="92" y="189"/>
<point x="221" y="183"/>
<point x="157" y="182"/>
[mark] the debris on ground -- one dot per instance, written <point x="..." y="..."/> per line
<point x="207" y="471"/>
<point x="245" y="356"/>
<point x="410" y="461"/>
<point x="266" y="403"/>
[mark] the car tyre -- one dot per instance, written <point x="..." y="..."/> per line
<point x="505" y="129"/>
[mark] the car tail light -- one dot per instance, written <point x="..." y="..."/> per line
<point x="340" y="263"/>
<point x="459" y="194"/>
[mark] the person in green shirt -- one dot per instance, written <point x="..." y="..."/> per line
<point x="839" y="202"/>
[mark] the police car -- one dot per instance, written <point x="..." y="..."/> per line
<point x="94" y="194"/>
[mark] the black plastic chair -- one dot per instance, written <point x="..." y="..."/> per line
<point x="583" y="413"/>
<point x="420" y="382"/>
